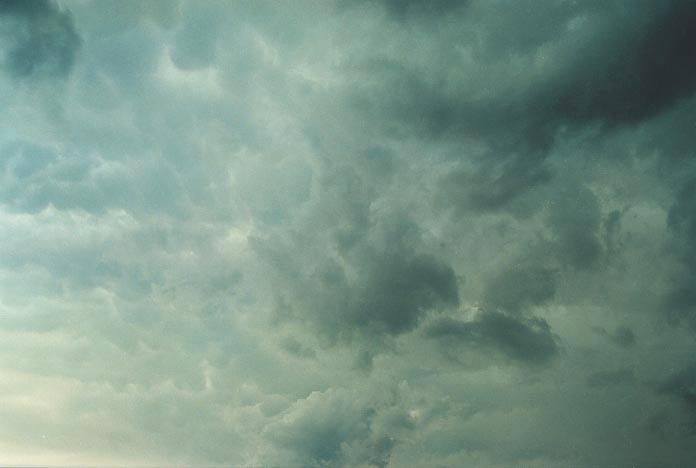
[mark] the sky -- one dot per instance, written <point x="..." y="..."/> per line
<point x="348" y="233"/>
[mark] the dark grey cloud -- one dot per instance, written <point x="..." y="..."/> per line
<point x="640" y="72"/>
<point x="494" y="185"/>
<point x="391" y="295"/>
<point x="507" y="323"/>
<point x="400" y="291"/>
<point x="42" y="39"/>
<point x="405" y="9"/>
<point x="602" y="78"/>
<point x="681" y="301"/>
<point x="682" y="386"/>
<point x="608" y="378"/>
<point x="520" y="288"/>
<point x="611" y="225"/>
<point x="682" y="219"/>
<point x="294" y="347"/>
<point x="349" y="233"/>
<point x="382" y="280"/>
<point x="621" y="336"/>
<point x="520" y="339"/>
<point x="575" y="219"/>
<point x="624" y="336"/>
<point x="331" y="429"/>
<point x="645" y="70"/>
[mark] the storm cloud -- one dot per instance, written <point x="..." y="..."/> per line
<point x="524" y="340"/>
<point x="367" y="233"/>
<point x="42" y="39"/>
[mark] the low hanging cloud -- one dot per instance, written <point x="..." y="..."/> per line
<point x="680" y="386"/>
<point x="390" y="296"/>
<point x="332" y="428"/>
<point x="347" y="233"/>
<point x="524" y="340"/>
<point x="42" y="39"/>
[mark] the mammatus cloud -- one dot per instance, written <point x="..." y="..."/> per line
<point x="347" y="233"/>
<point x="527" y="340"/>
<point x="42" y="39"/>
<point x="378" y="295"/>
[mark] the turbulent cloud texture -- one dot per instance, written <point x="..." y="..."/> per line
<point x="348" y="233"/>
<point x="44" y="38"/>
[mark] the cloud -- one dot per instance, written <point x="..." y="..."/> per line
<point x="331" y="428"/>
<point x="399" y="292"/>
<point x="607" y="378"/>
<point x="612" y="80"/>
<point x="622" y="336"/>
<point x="575" y="219"/>
<point x="495" y="184"/>
<point x="43" y="37"/>
<point x="525" y="340"/>
<point x="391" y="294"/>
<point x="520" y="288"/>
<point x="680" y="385"/>
<point x="294" y="347"/>
<point x="648" y="70"/>
<point x="681" y="300"/>
<point x="402" y="10"/>
<point x="350" y="233"/>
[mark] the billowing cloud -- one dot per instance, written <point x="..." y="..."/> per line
<point x="524" y="340"/>
<point x="347" y="233"/>
<point x="333" y="428"/>
<point x="605" y="378"/>
<point x="680" y="386"/>
<point x="42" y="39"/>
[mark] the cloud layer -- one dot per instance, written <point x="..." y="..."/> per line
<point x="348" y="233"/>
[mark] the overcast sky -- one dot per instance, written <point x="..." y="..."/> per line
<point x="360" y="233"/>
